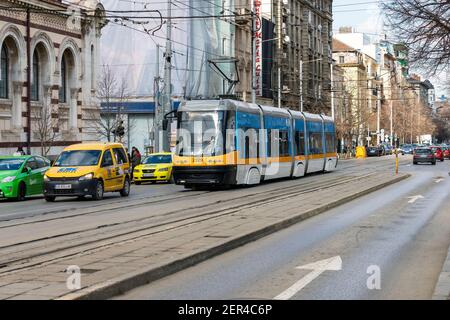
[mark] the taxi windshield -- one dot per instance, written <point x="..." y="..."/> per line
<point x="10" y="164"/>
<point x="155" y="159"/>
<point x="78" y="158"/>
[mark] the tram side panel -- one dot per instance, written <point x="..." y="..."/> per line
<point x="299" y="141"/>
<point x="249" y="147"/>
<point x="278" y="133"/>
<point x="330" y="146"/>
<point x="316" y="156"/>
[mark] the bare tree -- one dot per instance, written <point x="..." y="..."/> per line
<point x="48" y="122"/>
<point x="424" y="27"/>
<point x="112" y="93"/>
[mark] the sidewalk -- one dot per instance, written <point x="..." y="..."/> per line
<point x="114" y="268"/>
<point x="442" y="289"/>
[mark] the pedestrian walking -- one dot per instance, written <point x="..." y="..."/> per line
<point x="135" y="159"/>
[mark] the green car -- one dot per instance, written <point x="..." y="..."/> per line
<point x="22" y="176"/>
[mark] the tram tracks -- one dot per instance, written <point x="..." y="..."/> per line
<point x="47" y="250"/>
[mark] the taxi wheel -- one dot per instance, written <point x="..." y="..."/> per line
<point x="50" y="199"/>
<point x="21" y="193"/>
<point x="125" y="192"/>
<point x="99" y="190"/>
<point x="172" y="179"/>
<point x="138" y="183"/>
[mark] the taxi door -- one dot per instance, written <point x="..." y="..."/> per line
<point x="107" y="170"/>
<point x="120" y="163"/>
<point x="34" y="178"/>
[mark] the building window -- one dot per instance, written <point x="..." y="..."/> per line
<point x="341" y="59"/>
<point x="35" y="79"/>
<point x="63" y="87"/>
<point x="4" y="73"/>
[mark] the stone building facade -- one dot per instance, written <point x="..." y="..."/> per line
<point x="49" y="58"/>
<point x="307" y="38"/>
<point x="353" y="65"/>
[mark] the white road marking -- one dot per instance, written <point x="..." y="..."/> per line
<point x="331" y="264"/>
<point x="439" y="180"/>
<point x="415" y="198"/>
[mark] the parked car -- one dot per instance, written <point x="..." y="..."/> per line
<point x="375" y="151"/>
<point x="406" y="149"/>
<point x="446" y="151"/>
<point x="156" y="167"/>
<point x="89" y="169"/>
<point x="438" y="153"/>
<point x="22" y="176"/>
<point x="387" y="149"/>
<point x="424" y="154"/>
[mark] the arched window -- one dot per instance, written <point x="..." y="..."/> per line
<point x="4" y="68"/>
<point x="63" y="87"/>
<point x="35" y="79"/>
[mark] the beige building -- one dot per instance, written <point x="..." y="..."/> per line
<point x="352" y="61"/>
<point x="49" y="54"/>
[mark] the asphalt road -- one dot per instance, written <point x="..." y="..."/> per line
<point x="391" y="243"/>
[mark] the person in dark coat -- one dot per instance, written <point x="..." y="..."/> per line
<point x="135" y="158"/>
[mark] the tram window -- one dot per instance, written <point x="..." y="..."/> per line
<point x="329" y="139"/>
<point x="230" y="132"/>
<point x="300" y="143"/>
<point x="251" y="143"/>
<point x="280" y="137"/>
<point x="284" y="143"/>
<point x="315" y="143"/>
<point x="272" y="138"/>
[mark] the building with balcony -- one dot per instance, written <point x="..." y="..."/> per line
<point x="306" y="54"/>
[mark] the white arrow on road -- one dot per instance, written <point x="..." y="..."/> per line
<point x="415" y="198"/>
<point x="318" y="267"/>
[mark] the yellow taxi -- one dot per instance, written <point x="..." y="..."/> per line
<point x="89" y="169"/>
<point x="156" y="167"/>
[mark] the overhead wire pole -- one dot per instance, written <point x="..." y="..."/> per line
<point x="158" y="114"/>
<point x="332" y="91"/>
<point x="253" y="55"/>
<point x="167" y="105"/>
<point x="378" y="114"/>
<point x="301" y="84"/>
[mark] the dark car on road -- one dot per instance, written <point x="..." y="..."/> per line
<point x="424" y="154"/>
<point x="375" y="151"/>
<point x="387" y="149"/>
<point x="407" y="149"/>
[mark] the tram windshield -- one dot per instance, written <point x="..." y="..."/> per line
<point x="200" y="133"/>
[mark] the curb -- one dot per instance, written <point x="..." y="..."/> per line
<point x="442" y="289"/>
<point x="141" y="277"/>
